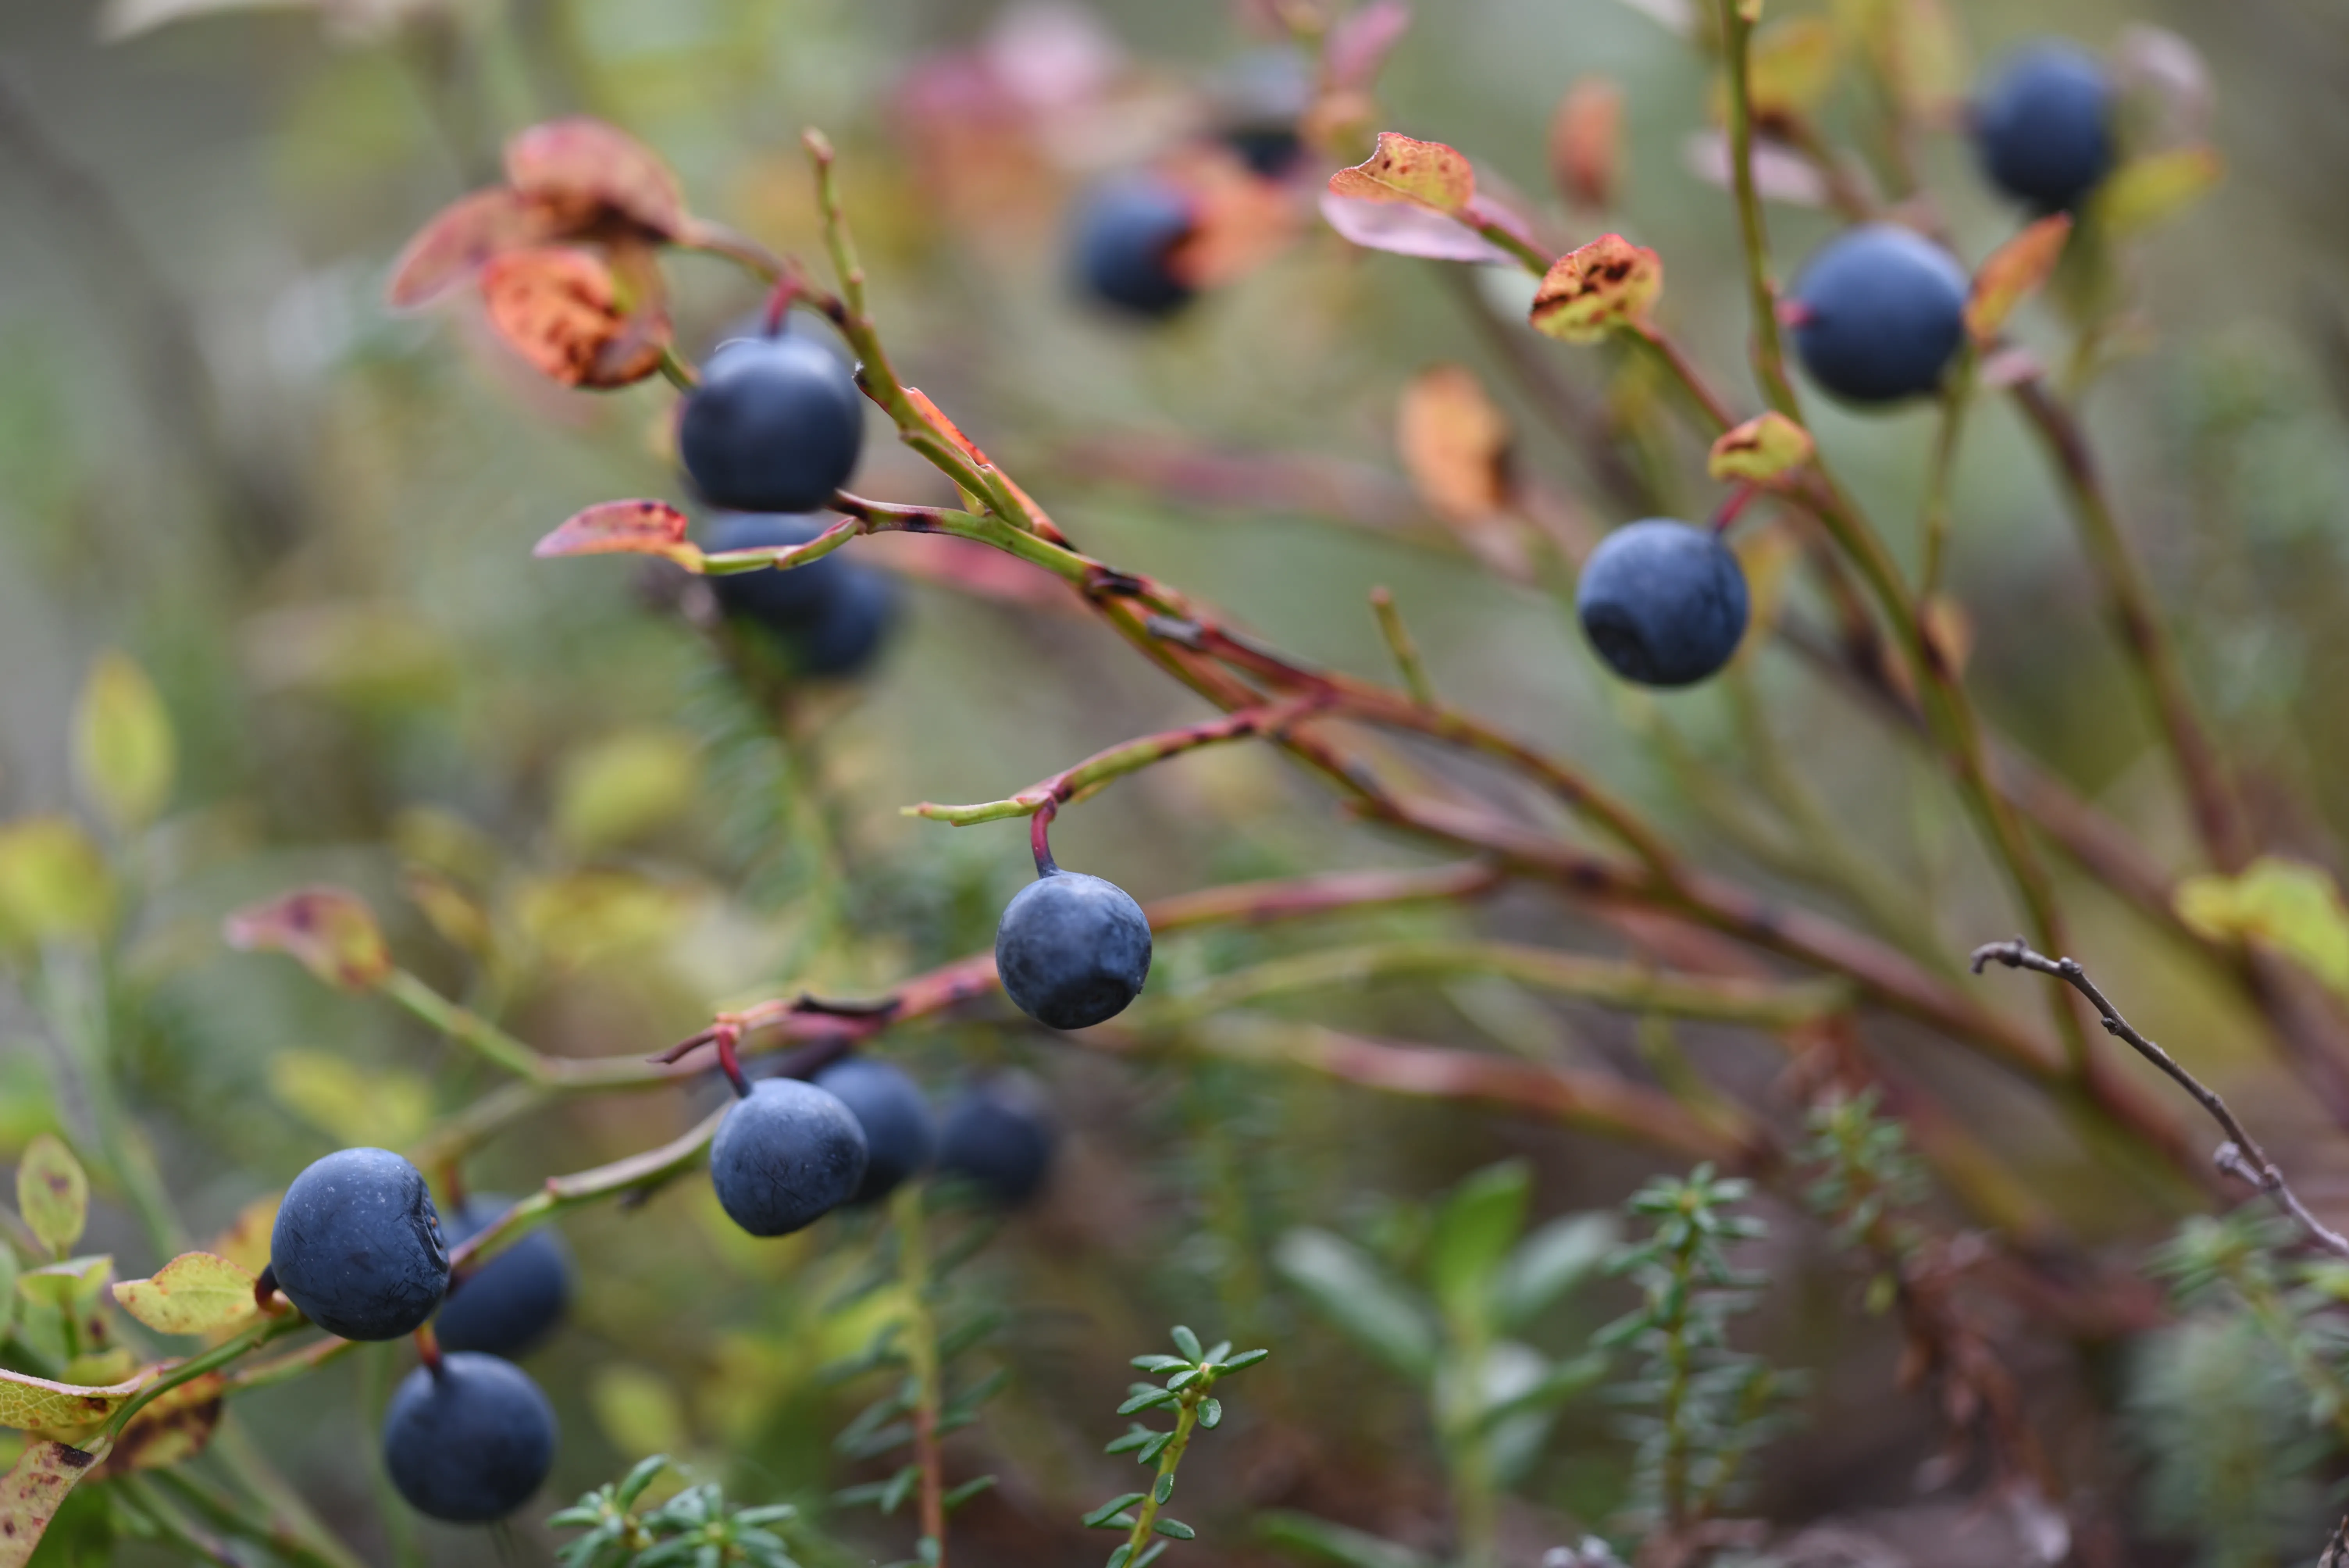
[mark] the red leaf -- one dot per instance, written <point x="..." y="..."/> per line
<point x="1406" y="169"/>
<point x="331" y="933"/>
<point x="623" y="528"/>
<point x="1595" y="288"/>
<point x="460" y="238"/>
<point x="583" y="166"/>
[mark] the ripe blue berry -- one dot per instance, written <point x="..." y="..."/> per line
<point x="787" y="1154"/>
<point x="1664" y="604"/>
<point x="357" y="1247"/>
<point x="1883" y="312"/>
<point x="1260" y="100"/>
<point x="775" y="425"/>
<point x="513" y="1301"/>
<point x="998" y="1138"/>
<point x="830" y="617"/>
<point x="899" y="1137"/>
<point x="1125" y="235"/>
<point x="469" y="1442"/>
<point x="2042" y="126"/>
<point x="1073" y="950"/>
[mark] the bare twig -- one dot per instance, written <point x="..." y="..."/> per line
<point x="2241" y="1156"/>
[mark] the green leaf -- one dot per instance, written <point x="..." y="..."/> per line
<point x="955" y="1497"/>
<point x="1148" y="1453"/>
<point x="1187" y="1343"/>
<point x="2295" y="908"/>
<point x="1473" y="1231"/>
<point x="53" y="883"/>
<point x="1554" y="1260"/>
<point x="1134" y="1438"/>
<point x="36" y="1404"/>
<point x="618" y="789"/>
<point x="1174" y="1529"/>
<point x="1117" y="1558"/>
<point x="645" y="1472"/>
<point x="1100" y="1517"/>
<point x="1150" y="1554"/>
<point x="1155" y="1399"/>
<point x="1244" y="1360"/>
<point x="1166" y="1486"/>
<point x="122" y="742"/>
<point x="1560" y="1383"/>
<point x="195" y="1292"/>
<point x="1211" y="1413"/>
<point x="1360" y="1299"/>
<point x="1336" y="1543"/>
<point x="1158" y="1363"/>
<point x="53" y="1193"/>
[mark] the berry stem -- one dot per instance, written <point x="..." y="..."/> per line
<point x="428" y="1350"/>
<point x="1739" y="499"/>
<point x="1040" y="843"/>
<point x="727" y="1038"/>
<point x="1404" y="651"/>
<point x="922" y="1350"/>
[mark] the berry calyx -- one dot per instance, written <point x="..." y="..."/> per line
<point x="2042" y="124"/>
<point x="787" y="1154"/>
<point x="1073" y="950"/>
<point x="1663" y="604"/>
<point x="775" y="426"/>
<point x="356" y="1245"/>
<point x="469" y="1441"/>
<point x="1880" y="313"/>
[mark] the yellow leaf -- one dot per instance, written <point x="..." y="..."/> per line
<point x="53" y="1193"/>
<point x="2294" y="908"/>
<point x="122" y="742"/>
<point x="591" y="915"/>
<point x="245" y="1242"/>
<point x="98" y="1368"/>
<point x="31" y="1493"/>
<point x="36" y="1404"/>
<point x="330" y="931"/>
<point x="1791" y="64"/>
<point x="639" y="1410"/>
<point x="624" y="786"/>
<point x="2145" y="190"/>
<point x="1765" y="448"/>
<point x="2013" y="273"/>
<point x="53" y="883"/>
<point x="1428" y="174"/>
<point x="387" y="1110"/>
<point x="1596" y="288"/>
<point x="195" y="1292"/>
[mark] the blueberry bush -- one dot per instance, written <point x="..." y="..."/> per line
<point x="1579" y="744"/>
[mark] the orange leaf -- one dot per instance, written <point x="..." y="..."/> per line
<point x="1426" y="174"/>
<point x="175" y="1424"/>
<point x="583" y="167"/>
<point x="624" y="528"/>
<point x="462" y="238"/>
<point x="1595" y="288"/>
<point x="1586" y="141"/>
<point x="2013" y="273"/>
<point x="1454" y="444"/>
<point x="559" y="309"/>
<point x="331" y="933"/>
<point x="1239" y="221"/>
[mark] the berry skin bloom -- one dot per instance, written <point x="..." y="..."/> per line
<point x="1124" y="237"/>
<point x="900" y="1137"/>
<point x="998" y="1136"/>
<point x="1073" y="950"/>
<point x="356" y="1245"/>
<point x="776" y="425"/>
<point x="469" y="1440"/>
<point x="1663" y="604"/>
<point x="1880" y="313"/>
<point x="2042" y="126"/>
<point x="787" y="1154"/>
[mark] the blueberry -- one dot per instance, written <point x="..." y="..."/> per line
<point x="775" y="425"/>
<point x="2043" y="127"/>
<point x="1664" y="604"/>
<point x="470" y="1442"/>
<point x="787" y="1154"/>
<point x="830" y="617"/>
<point x="899" y="1137"/>
<point x="1125" y="234"/>
<point x="513" y="1301"/>
<point x="998" y="1138"/>
<point x="357" y="1247"/>
<point x="1073" y="950"/>
<point x="1260" y="100"/>
<point x="1883" y="312"/>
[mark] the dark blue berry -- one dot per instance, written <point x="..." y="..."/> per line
<point x="830" y="617"/>
<point x="775" y="425"/>
<point x="998" y="1138"/>
<point x="787" y="1154"/>
<point x="1073" y="950"/>
<point x="469" y="1442"/>
<point x="1260" y="100"/>
<point x="1125" y="234"/>
<point x="357" y="1246"/>
<point x="899" y="1137"/>
<point x="1664" y="604"/>
<point x="510" y="1304"/>
<point x="1882" y="314"/>
<point x="2042" y="126"/>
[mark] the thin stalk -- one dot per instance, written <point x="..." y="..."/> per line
<point x="1957" y="394"/>
<point x="282" y="1541"/>
<point x="1186" y="1416"/>
<point x="1403" y="648"/>
<point x="921" y="1351"/>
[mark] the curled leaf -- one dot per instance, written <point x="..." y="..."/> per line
<point x="624" y="528"/>
<point x="582" y="166"/>
<point x="462" y="238"/>
<point x="2013" y="273"/>
<point x="1585" y="142"/>
<point x="52" y="1193"/>
<point x="1426" y="174"/>
<point x="1407" y="230"/>
<point x="1596" y="288"/>
<point x="1763" y="448"/>
<point x="331" y="933"/>
<point x="195" y="1292"/>
<point x="560" y="309"/>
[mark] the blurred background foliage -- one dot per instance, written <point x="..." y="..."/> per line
<point x="307" y="521"/>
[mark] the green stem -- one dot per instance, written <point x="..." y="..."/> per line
<point x="281" y="1540"/>
<point x="170" y="1526"/>
<point x="195" y="1366"/>
<point x="1186" y="1416"/>
<point x="1404" y="650"/>
<point x="1957" y="394"/>
<point x="921" y="1351"/>
<point x="650" y="1169"/>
